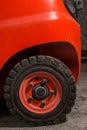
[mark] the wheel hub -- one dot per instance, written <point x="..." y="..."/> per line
<point x="40" y="91"/>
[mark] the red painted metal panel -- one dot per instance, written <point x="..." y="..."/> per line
<point x="24" y="24"/>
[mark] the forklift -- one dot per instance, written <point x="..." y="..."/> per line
<point x="40" y="57"/>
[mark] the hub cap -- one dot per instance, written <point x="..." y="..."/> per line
<point x="40" y="92"/>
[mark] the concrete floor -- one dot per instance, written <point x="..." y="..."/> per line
<point x="76" y="120"/>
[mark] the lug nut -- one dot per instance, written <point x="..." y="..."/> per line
<point x="30" y="99"/>
<point x="31" y="84"/>
<point x="45" y="81"/>
<point x="52" y="92"/>
<point x="43" y="103"/>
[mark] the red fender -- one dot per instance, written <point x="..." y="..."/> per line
<point x="24" y="24"/>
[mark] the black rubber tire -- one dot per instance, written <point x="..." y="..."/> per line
<point x="47" y="64"/>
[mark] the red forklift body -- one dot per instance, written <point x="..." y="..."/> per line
<point x="46" y="31"/>
<point x="25" y="24"/>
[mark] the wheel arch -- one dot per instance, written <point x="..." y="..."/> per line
<point x="61" y="50"/>
<point x="65" y="52"/>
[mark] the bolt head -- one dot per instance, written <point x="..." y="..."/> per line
<point x="45" y="81"/>
<point x="43" y="103"/>
<point x="31" y="84"/>
<point x="30" y="99"/>
<point x="52" y="92"/>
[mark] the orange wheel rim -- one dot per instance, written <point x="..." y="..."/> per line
<point x="40" y="92"/>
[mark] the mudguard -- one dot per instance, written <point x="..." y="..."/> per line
<point x="25" y="24"/>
